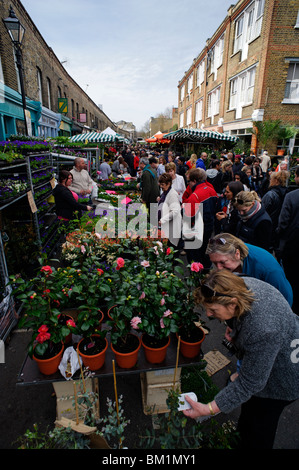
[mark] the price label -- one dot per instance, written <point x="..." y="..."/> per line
<point x="31" y="202"/>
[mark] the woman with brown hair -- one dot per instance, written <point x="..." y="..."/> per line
<point x="264" y="332"/>
<point x="255" y="224"/>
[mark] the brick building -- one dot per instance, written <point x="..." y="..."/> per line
<point x="46" y="81"/>
<point x="247" y="71"/>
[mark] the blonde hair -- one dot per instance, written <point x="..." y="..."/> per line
<point x="193" y="157"/>
<point x="233" y="286"/>
<point x="228" y="244"/>
<point x="225" y="165"/>
<point x="170" y="166"/>
<point x="248" y="197"/>
<point x="279" y="178"/>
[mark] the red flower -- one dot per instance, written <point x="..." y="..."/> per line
<point x="100" y="271"/>
<point x="168" y="251"/>
<point x="120" y="262"/>
<point x="71" y="323"/>
<point x="47" y="270"/>
<point x="43" y="334"/>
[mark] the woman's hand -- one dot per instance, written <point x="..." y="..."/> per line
<point x="199" y="409"/>
<point x="220" y="215"/>
<point x="228" y="334"/>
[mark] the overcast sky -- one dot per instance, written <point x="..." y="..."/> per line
<point x="128" y="55"/>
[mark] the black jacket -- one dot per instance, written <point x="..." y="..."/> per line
<point x="65" y="202"/>
<point x="257" y="230"/>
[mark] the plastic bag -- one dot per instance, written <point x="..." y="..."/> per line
<point x="69" y="363"/>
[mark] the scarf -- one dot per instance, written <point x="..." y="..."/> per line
<point x="254" y="209"/>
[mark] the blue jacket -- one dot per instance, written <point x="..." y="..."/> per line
<point x="200" y="164"/>
<point x="260" y="264"/>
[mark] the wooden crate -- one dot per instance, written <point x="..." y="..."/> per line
<point x="154" y="395"/>
<point x="64" y="391"/>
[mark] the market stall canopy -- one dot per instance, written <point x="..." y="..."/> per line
<point x="198" y="135"/>
<point x="158" y="137"/>
<point x="100" y="137"/>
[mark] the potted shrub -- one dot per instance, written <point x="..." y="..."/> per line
<point x="42" y="298"/>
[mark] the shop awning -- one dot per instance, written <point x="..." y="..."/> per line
<point x="101" y="137"/>
<point x="198" y="135"/>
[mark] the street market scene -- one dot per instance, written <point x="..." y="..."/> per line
<point x="148" y="275"/>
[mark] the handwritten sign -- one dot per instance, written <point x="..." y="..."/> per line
<point x="215" y="361"/>
<point x="31" y="202"/>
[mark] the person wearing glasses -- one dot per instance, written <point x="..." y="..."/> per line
<point x="65" y="200"/>
<point x="255" y="224"/>
<point x="229" y="252"/>
<point x="265" y="333"/>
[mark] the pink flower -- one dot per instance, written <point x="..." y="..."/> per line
<point x="83" y="249"/>
<point x="134" y="322"/>
<point x="167" y="313"/>
<point x="162" y="301"/>
<point x="168" y="251"/>
<point x="120" y="262"/>
<point x="98" y="235"/>
<point x="162" y="323"/>
<point x="145" y="264"/>
<point x="142" y="296"/>
<point x="196" y="267"/>
<point x="71" y="323"/>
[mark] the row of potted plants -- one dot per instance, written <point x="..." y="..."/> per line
<point x="150" y="296"/>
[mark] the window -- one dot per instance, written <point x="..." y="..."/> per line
<point x="190" y="84"/>
<point x="200" y="74"/>
<point x="49" y="93"/>
<point x="198" y="110"/>
<point x="181" y="119"/>
<point x="241" y="90"/>
<point x="189" y="116"/>
<point x="217" y="56"/>
<point x="39" y="85"/>
<point x="182" y="92"/>
<point x="248" y="27"/>
<point x="213" y="103"/>
<point x="292" y="85"/>
<point x="297" y="22"/>
<point x="1" y="72"/>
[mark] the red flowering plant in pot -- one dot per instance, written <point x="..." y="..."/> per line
<point x="42" y="299"/>
<point x="125" y="302"/>
<point x="189" y="329"/>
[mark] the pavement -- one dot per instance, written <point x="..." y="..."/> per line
<point x="23" y="405"/>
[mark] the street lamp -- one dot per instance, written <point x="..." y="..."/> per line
<point x="16" y="32"/>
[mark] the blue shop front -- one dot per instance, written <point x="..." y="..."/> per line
<point x="12" y="115"/>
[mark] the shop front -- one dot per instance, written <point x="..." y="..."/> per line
<point x="49" y="123"/>
<point x="65" y="128"/>
<point x="12" y="114"/>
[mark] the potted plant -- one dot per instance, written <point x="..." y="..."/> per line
<point x="41" y="298"/>
<point x="191" y="335"/>
<point x="124" y="343"/>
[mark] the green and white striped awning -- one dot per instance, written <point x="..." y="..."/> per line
<point x="198" y="135"/>
<point x="101" y="137"/>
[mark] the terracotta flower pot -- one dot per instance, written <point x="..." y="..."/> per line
<point x="96" y="361"/>
<point x="109" y="312"/>
<point x="155" y="355"/>
<point x="127" y="360"/>
<point x="191" y="349"/>
<point x="49" y="366"/>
